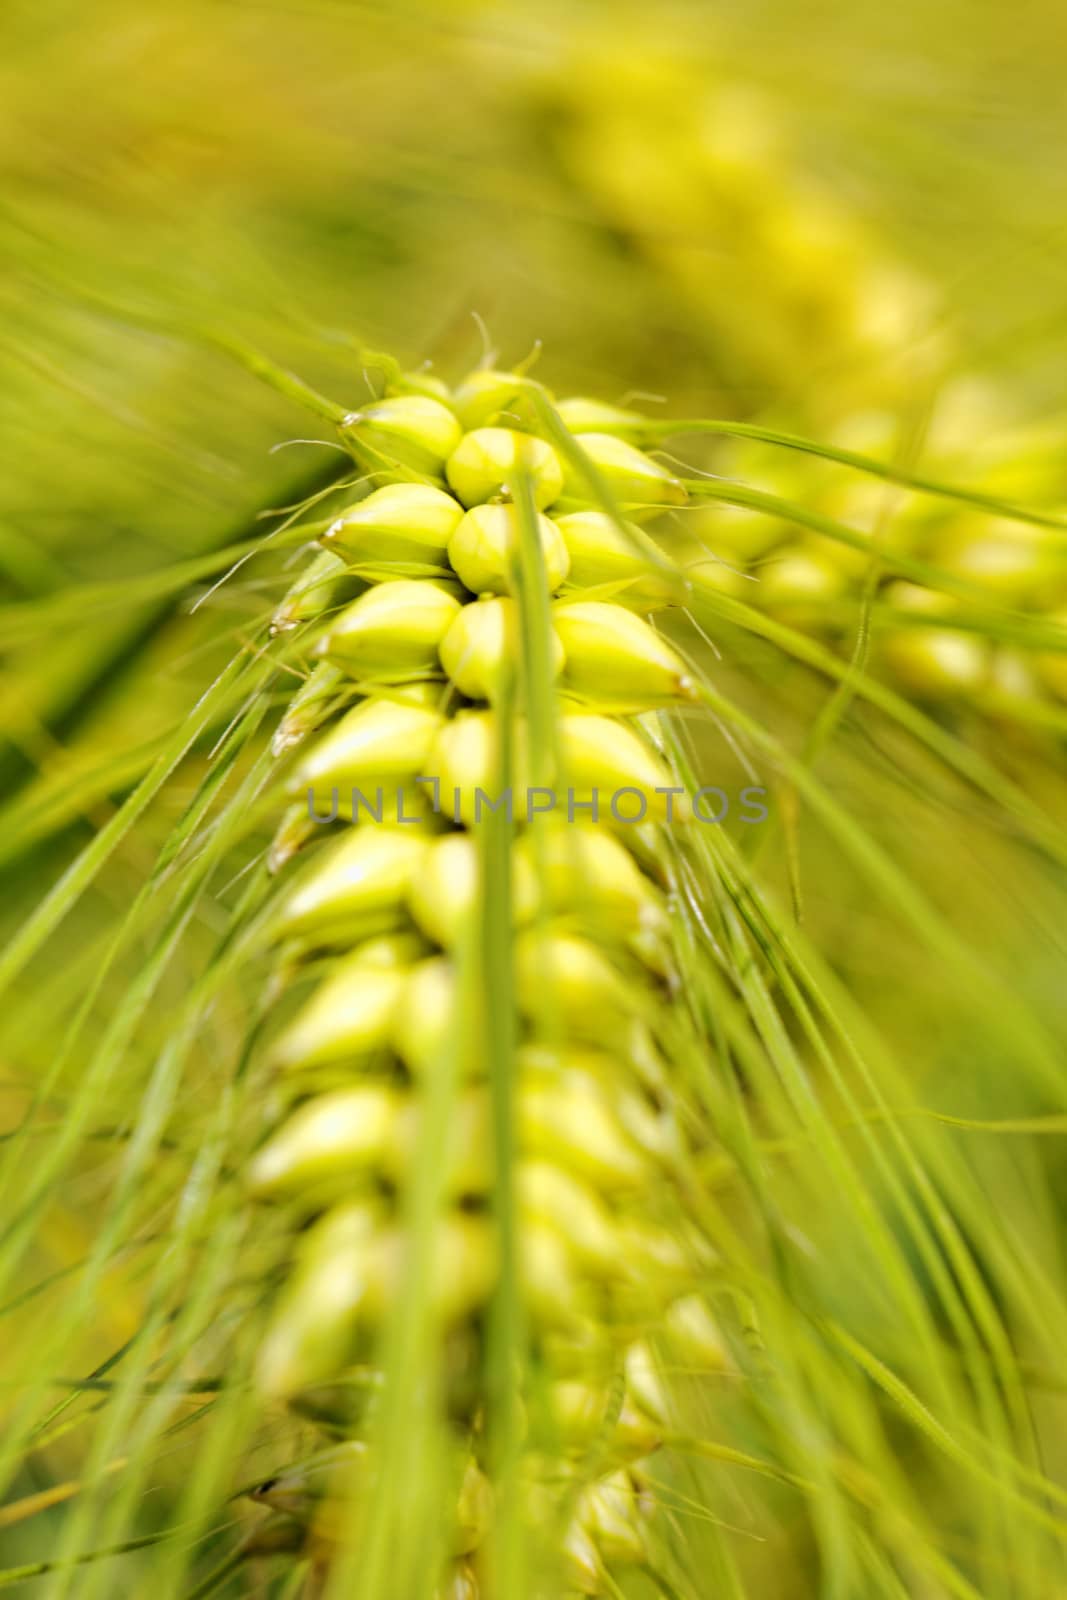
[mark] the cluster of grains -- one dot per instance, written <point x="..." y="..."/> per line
<point x="789" y="288"/>
<point x="421" y="621"/>
<point x="943" y="635"/>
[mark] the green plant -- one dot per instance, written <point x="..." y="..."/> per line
<point x="490" y="1139"/>
<point x="492" y="1249"/>
<point x="493" y="1159"/>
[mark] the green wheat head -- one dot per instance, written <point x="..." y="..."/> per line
<point x="497" y="1044"/>
<point x="482" y="1125"/>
